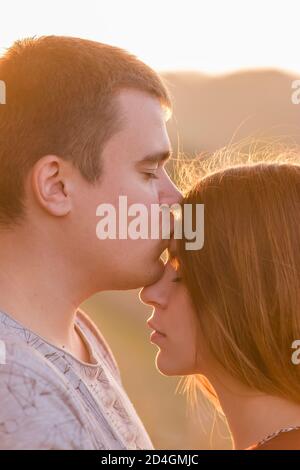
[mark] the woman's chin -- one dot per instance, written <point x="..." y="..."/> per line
<point x="166" y="366"/>
<point x="170" y="367"/>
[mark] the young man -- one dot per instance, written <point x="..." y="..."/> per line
<point x="83" y="124"/>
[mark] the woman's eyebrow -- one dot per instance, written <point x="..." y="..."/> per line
<point x="172" y="254"/>
<point x="173" y="258"/>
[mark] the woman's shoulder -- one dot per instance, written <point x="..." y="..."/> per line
<point x="283" y="441"/>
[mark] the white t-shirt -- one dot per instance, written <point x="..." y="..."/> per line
<point x="51" y="400"/>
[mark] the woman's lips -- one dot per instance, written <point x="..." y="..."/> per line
<point x="157" y="338"/>
<point x="156" y="329"/>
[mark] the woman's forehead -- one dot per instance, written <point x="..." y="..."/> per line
<point x="172" y="254"/>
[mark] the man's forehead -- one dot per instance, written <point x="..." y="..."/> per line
<point x="136" y="105"/>
<point x="143" y="134"/>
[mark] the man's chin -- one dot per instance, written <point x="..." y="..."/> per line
<point x="155" y="273"/>
<point x="141" y="276"/>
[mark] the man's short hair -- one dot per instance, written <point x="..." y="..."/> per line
<point x="60" y="100"/>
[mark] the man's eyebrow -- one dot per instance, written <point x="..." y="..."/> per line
<point x="157" y="157"/>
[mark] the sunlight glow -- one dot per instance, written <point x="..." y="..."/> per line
<point x="207" y="35"/>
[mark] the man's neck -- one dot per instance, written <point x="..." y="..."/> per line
<point x="38" y="290"/>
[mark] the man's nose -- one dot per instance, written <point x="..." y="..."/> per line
<point x="169" y="193"/>
<point x="170" y="196"/>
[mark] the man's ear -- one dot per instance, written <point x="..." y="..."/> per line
<point x="51" y="183"/>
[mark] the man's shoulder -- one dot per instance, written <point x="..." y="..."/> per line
<point x="19" y="359"/>
<point x="39" y="410"/>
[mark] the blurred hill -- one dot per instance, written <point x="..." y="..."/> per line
<point x="209" y="112"/>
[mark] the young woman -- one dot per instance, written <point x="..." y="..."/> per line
<point x="229" y="314"/>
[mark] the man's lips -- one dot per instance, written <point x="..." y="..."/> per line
<point x="163" y="248"/>
<point x="165" y="243"/>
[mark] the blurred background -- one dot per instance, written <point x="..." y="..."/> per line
<point x="230" y="67"/>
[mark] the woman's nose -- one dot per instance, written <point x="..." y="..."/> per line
<point x="151" y="295"/>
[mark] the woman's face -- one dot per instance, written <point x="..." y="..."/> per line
<point x="173" y="322"/>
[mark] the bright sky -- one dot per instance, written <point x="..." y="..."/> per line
<point x="207" y="35"/>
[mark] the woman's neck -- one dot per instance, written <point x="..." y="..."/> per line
<point x="253" y="416"/>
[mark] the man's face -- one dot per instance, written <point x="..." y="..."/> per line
<point x="133" y="163"/>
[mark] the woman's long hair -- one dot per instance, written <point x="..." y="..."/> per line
<point x="245" y="281"/>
